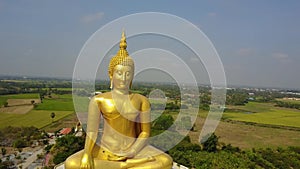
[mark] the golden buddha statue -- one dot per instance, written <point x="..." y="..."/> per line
<point x="126" y="125"/>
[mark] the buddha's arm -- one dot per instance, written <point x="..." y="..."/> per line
<point x="92" y="133"/>
<point x="144" y="116"/>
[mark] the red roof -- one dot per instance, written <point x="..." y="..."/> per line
<point x="65" y="131"/>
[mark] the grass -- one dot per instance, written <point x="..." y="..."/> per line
<point x="3" y="98"/>
<point x="254" y="107"/>
<point x="264" y="113"/>
<point x="237" y="134"/>
<point x="82" y="104"/>
<point x="61" y="105"/>
<point x="59" y="88"/>
<point x="37" y="118"/>
<point x="68" y="121"/>
<point x="254" y="136"/>
<point x="249" y="136"/>
<point x="289" y="101"/>
<point x="22" y="96"/>
<point x="57" y="103"/>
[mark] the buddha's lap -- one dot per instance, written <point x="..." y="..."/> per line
<point x="147" y="151"/>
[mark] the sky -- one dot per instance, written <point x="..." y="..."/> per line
<point x="257" y="41"/>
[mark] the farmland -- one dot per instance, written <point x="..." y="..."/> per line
<point x="39" y="114"/>
<point x="238" y="134"/>
<point x="255" y="124"/>
<point x="36" y="118"/>
<point x="3" y="98"/>
<point x="264" y="113"/>
<point x="246" y="128"/>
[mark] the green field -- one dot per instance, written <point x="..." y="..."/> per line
<point x="249" y="136"/>
<point x="57" y="103"/>
<point x="37" y="118"/>
<point x="3" y="98"/>
<point x="264" y="113"/>
<point x="61" y="105"/>
<point x="59" y="88"/>
<point x="289" y="101"/>
<point x="238" y="134"/>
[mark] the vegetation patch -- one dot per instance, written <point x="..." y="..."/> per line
<point x="4" y="98"/>
<point x="36" y="118"/>
<point x="57" y="103"/>
<point x="265" y="113"/>
<point x="249" y="136"/>
<point x="16" y="109"/>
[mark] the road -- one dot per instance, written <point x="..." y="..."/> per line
<point x="31" y="159"/>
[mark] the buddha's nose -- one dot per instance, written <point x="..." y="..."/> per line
<point x="124" y="77"/>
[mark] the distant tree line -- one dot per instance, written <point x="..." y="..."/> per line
<point x="171" y="91"/>
<point x="288" y="104"/>
<point x="31" y="86"/>
<point x="236" y="97"/>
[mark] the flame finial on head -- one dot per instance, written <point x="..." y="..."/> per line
<point x="123" y="43"/>
<point x="122" y="57"/>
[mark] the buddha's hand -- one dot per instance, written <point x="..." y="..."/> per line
<point x="128" y="154"/>
<point x="87" y="161"/>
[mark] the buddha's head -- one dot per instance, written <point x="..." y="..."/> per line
<point x="121" y="67"/>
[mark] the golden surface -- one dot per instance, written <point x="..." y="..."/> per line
<point x="126" y="125"/>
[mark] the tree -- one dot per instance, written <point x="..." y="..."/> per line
<point x="3" y="151"/>
<point x="6" y="104"/>
<point x="66" y="146"/>
<point x="52" y="115"/>
<point x="6" y="164"/>
<point x="236" y="97"/>
<point x="19" y="143"/>
<point x="210" y="145"/>
<point x="163" y="122"/>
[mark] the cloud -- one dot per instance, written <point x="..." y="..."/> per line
<point x="212" y="14"/>
<point x="279" y="55"/>
<point x="282" y="57"/>
<point x="245" y="52"/>
<point x="92" y="17"/>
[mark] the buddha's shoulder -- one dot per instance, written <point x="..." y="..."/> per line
<point x="102" y="96"/>
<point x="105" y="94"/>
<point x="140" y="97"/>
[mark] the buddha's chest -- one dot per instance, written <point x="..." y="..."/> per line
<point x="113" y="109"/>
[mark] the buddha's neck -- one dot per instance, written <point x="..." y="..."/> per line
<point x="121" y="92"/>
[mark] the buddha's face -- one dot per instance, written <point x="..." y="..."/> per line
<point x="122" y="77"/>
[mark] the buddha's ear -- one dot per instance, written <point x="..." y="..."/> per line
<point x="111" y="82"/>
<point x="130" y="84"/>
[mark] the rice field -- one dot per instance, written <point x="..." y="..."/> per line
<point x="61" y="105"/>
<point x="36" y="118"/>
<point x="4" y="98"/>
<point x="264" y="113"/>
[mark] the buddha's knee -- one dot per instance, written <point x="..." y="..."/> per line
<point x="165" y="160"/>
<point x="72" y="163"/>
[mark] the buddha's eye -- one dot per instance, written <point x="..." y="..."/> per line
<point x="119" y="73"/>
